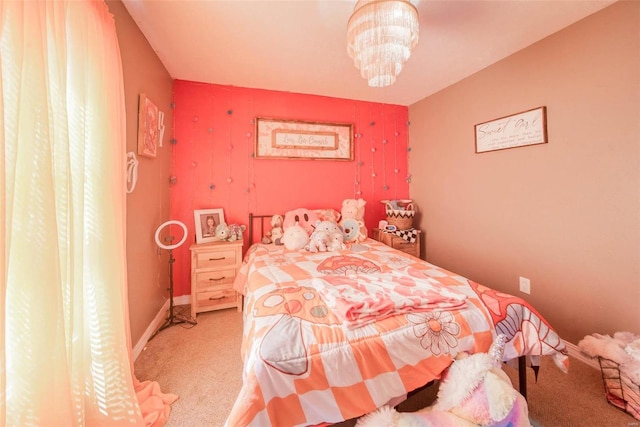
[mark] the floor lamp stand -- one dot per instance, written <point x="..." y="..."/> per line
<point x="173" y="319"/>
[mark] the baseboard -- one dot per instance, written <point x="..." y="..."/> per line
<point x="574" y="351"/>
<point x="157" y="322"/>
<point x="182" y="300"/>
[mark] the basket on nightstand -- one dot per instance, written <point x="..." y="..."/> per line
<point x="401" y="218"/>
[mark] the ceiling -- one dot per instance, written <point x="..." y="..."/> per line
<point x="300" y="45"/>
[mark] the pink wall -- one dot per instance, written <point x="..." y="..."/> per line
<point x="213" y="164"/>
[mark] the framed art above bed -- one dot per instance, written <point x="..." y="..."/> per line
<point x="296" y="139"/>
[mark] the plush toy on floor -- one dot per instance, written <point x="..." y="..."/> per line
<point x="474" y="392"/>
<point x="622" y="348"/>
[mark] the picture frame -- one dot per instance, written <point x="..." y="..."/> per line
<point x="297" y="139"/>
<point x="516" y="130"/>
<point x="148" y="129"/>
<point x="206" y="221"/>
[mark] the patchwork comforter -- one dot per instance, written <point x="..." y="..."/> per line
<point x="330" y="336"/>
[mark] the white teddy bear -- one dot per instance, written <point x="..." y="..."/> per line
<point x="318" y="242"/>
<point x="336" y="242"/>
<point x="319" y="239"/>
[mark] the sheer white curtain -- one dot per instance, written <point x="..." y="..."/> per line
<point x="65" y="356"/>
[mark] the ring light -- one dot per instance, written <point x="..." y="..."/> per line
<point x="173" y="319"/>
<point x="169" y="247"/>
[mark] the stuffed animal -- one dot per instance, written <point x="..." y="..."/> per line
<point x="336" y="242"/>
<point x="229" y="232"/>
<point x="235" y="232"/>
<point x="295" y="237"/>
<point x="353" y="210"/>
<point x="474" y="392"/>
<point x="275" y="234"/>
<point x="622" y="348"/>
<point x="318" y="241"/>
<point x="222" y="232"/>
<point x="304" y="217"/>
<point x="350" y="229"/>
<point x="328" y="227"/>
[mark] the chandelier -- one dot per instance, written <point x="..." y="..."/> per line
<point x="381" y="35"/>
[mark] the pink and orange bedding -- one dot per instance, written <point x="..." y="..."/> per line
<point x="331" y="336"/>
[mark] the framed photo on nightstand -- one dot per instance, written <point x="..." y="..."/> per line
<point x="206" y="221"/>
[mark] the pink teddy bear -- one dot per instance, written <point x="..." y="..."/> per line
<point x="353" y="217"/>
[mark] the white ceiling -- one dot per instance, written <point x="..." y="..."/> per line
<point x="300" y="46"/>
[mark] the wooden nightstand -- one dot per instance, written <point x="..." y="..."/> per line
<point x="399" y="243"/>
<point x="213" y="269"/>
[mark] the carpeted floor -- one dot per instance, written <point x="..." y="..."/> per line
<point x="202" y="365"/>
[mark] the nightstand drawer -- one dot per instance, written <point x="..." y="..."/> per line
<point x="397" y="242"/>
<point x="221" y="258"/>
<point x="210" y="300"/>
<point x="207" y="279"/>
<point x="404" y="246"/>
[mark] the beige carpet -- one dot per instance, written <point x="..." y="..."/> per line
<point x="202" y="365"/>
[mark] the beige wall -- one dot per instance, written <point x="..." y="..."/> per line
<point x="148" y="205"/>
<point x="564" y="214"/>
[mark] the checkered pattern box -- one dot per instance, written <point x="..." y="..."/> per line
<point x="621" y="392"/>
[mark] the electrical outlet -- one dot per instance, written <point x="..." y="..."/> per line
<point x="525" y="285"/>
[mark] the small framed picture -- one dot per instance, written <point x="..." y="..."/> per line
<point x="206" y="222"/>
<point x="147" y="127"/>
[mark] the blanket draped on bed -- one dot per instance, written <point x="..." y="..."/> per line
<point x="361" y="299"/>
<point x="305" y="364"/>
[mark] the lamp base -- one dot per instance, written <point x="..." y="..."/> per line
<point x="173" y="319"/>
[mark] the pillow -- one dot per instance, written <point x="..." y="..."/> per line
<point x="327" y="215"/>
<point x="295" y="237"/>
<point x="306" y="218"/>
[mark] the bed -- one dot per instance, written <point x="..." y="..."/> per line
<point x="329" y="336"/>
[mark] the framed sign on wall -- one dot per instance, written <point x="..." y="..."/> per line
<point x="294" y="139"/>
<point x="517" y="130"/>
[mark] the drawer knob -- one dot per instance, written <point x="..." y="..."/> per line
<point x="216" y="259"/>
<point x="215" y="299"/>
<point x="217" y="278"/>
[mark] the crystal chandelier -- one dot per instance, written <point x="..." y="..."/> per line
<point x="381" y="35"/>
